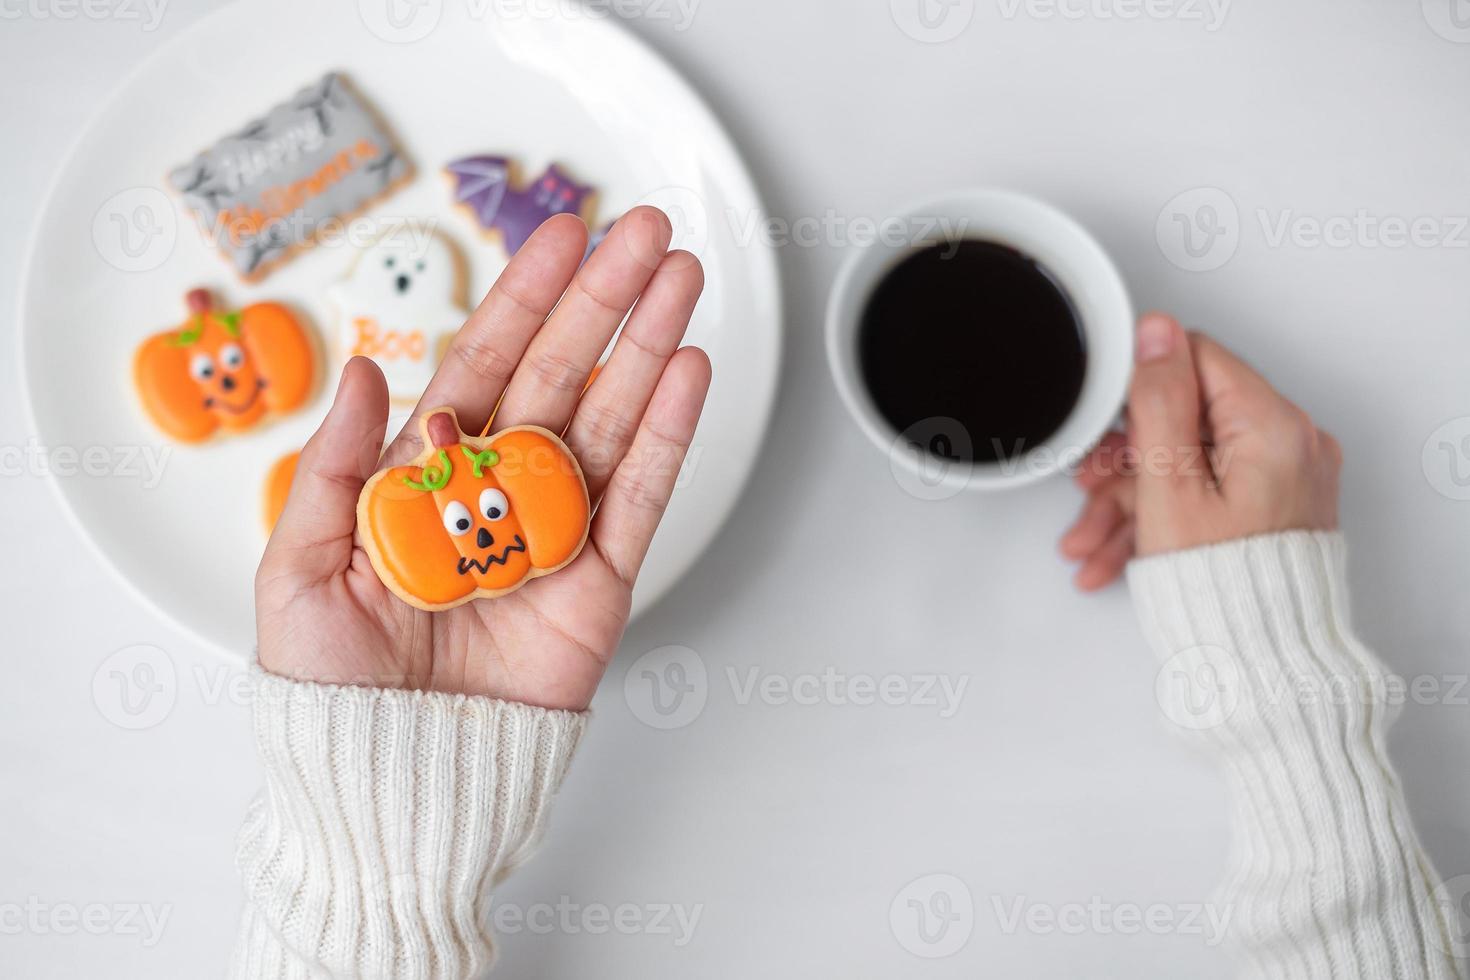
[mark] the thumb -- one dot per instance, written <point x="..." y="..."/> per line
<point x="314" y="534"/>
<point x="1164" y="409"/>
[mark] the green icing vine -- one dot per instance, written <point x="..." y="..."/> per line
<point x="195" y="329"/>
<point x="435" y="477"/>
<point x="191" y="334"/>
<point x="478" y="461"/>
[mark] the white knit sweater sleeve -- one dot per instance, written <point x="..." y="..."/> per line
<point x="1261" y="665"/>
<point x="385" y="818"/>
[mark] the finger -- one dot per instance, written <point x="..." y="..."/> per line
<point x="1328" y="475"/>
<point x="607" y="417"/>
<point x="1164" y="408"/>
<point x="551" y="376"/>
<point x="1106" y="564"/>
<point x="640" y="488"/>
<point x="315" y="529"/>
<point x="1104" y="462"/>
<point x="1330" y="448"/>
<point x="1100" y="516"/>
<point x="484" y="353"/>
<point x="1235" y="396"/>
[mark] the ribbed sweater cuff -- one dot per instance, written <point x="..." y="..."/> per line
<point x="1260" y="663"/>
<point x="386" y="817"/>
<point x="1255" y="633"/>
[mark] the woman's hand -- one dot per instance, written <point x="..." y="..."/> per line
<point x="321" y="612"/>
<point x="1212" y="453"/>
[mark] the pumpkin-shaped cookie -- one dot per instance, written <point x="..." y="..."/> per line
<point x="473" y="518"/>
<point x="223" y="371"/>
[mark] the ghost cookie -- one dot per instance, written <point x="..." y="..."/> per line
<point x="399" y="302"/>
<point x="224" y="370"/>
<point x="473" y="518"/>
<point x="486" y="187"/>
<point x="273" y="187"/>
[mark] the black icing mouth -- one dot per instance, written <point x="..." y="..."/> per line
<point x="483" y="566"/>
<point x="238" y="409"/>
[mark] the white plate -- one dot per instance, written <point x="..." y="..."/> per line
<point x="549" y="83"/>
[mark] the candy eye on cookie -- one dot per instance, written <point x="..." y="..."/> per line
<point x="493" y="505"/>
<point x="201" y="366"/>
<point x="457" y="518"/>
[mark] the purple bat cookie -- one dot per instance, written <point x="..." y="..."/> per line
<point x="483" y="185"/>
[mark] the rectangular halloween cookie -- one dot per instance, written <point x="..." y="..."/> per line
<point x="267" y="190"/>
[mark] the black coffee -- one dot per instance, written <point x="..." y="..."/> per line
<point x="978" y="333"/>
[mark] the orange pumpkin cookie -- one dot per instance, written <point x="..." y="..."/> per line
<point x="474" y="518"/>
<point x="223" y="370"/>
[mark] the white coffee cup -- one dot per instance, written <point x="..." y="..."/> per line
<point x="1070" y="255"/>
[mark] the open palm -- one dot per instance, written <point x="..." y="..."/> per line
<point x="321" y="612"/>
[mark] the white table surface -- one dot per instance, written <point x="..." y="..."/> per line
<point x="793" y="828"/>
